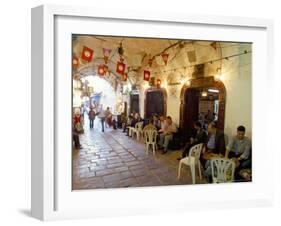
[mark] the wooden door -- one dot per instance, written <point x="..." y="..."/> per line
<point x="154" y="103"/>
<point x="134" y="103"/>
<point x="191" y="111"/>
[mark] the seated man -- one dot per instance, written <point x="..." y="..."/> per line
<point x="127" y="123"/>
<point x="200" y="137"/>
<point x="123" y="120"/>
<point x="162" y="123"/>
<point x="167" y="134"/>
<point x="216" y="141"/>
<point x="156" y="122"/>
<point x="134" y="121"/>
<point x="215" y="144"/>
<point x="239" y="148"/>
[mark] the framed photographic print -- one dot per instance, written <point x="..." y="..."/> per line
<point x="135" y="114"/>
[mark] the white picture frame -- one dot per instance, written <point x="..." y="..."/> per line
<point x="52" y="198"/>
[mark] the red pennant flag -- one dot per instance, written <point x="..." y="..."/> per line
<point x="101" y="70"/>
<point x="87" y="54"/>
<point x="120" y="68"/>
<point x="75" y="62"/>
<point x="146" y="75"/>
<point x="165" y="57"/>
<point x="158" y="83"/>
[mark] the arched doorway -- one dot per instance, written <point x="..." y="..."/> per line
<point x="155" y="102"/>
<point x="191" y="102"/>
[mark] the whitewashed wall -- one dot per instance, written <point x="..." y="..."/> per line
<point x="237" y="78"/>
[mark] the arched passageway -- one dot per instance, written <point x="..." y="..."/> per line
<point x="200" y="96"/>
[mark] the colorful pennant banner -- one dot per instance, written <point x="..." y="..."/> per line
<point x="87" y="54"/>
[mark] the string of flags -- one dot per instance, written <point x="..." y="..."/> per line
<point x="87" y="55"/>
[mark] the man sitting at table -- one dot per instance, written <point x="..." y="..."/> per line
<point x="200" y="137"/>
<point x="216" y="141"/>
<point x="156" y="121"/>
<point x="239" y="148"/>
<point x="167" y="134"/>
<point x="163" y="123"/>
<point x="215" y="145"/>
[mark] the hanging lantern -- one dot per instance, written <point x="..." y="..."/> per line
<point x="101" y="70"/>
<point x="158" y="83"/>
<point x="87" y="54"/>
<point x="75" y="62"/>
<point x="146" y="75"/>
<point x="165" y="57"/>
<point x="120" y="67"/>
<point x="125" y="77"/>
<point x="106" y="53"/>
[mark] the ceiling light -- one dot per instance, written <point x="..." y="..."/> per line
<point x="213" y="90"/>
<point x="204" y="94"/>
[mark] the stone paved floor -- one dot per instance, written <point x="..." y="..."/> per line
<point x="112" y="160"/>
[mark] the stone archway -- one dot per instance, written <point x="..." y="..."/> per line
<point x="205" y="82"/>
<point x="164" y="96"/>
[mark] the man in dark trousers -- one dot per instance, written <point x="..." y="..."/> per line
<point x="216" y="141"/>
<point x="92" y="116"/>
<point x="216" y="145"/>
<point x="200" y="137"/>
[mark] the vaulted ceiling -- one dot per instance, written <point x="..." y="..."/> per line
<point x="183" y="55"/>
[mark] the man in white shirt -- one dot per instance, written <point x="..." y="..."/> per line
<point x="103" y="115"/>
<point x="163" y="123"/>
<point x="167" y="134"/>
<point x="240" y="145"/>
<point x="240" y="148"/>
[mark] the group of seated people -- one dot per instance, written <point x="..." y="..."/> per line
<point x="239" y="148"/>
<point x="165" y="127"/>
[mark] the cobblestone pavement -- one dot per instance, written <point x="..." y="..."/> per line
<point x="113" y="160"/>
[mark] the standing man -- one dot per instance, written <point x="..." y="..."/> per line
<point x="167" y="134"/>
<point x="103" y="115"/>
<point x="92" y="116"/>
<point x="108" y="117"/>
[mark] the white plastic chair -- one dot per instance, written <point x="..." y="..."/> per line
<point x="130" y="128"/>
<point x="137" y="130"/>
<point x="192" y="160"/>
<point x="222" y="170"/>
<point x="150" y="140"/>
